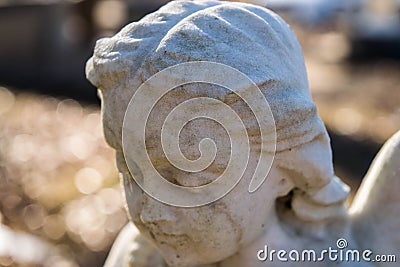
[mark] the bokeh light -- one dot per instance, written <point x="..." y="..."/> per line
<point x="58" y="183"/>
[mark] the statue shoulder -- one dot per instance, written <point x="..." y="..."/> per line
<point x="130" y="249"/>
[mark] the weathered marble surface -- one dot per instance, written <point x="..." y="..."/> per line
<point x="302" y="203"/>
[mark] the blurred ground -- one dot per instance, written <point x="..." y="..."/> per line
<point x="58" y="181"/>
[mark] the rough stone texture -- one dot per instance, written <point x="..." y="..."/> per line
<point x="300" y="205"/>
<point x="249" y="38"/>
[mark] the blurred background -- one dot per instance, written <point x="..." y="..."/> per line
<point x="60" y="201"/>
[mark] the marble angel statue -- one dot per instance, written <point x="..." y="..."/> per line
<point x="301" y="205"/>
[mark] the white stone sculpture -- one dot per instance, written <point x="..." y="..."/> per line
<point x="300" y="206"/>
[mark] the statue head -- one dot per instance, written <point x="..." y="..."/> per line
<point x="258" y="43"/>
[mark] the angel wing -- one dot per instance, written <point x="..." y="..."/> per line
<point x="376" y="208"/>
